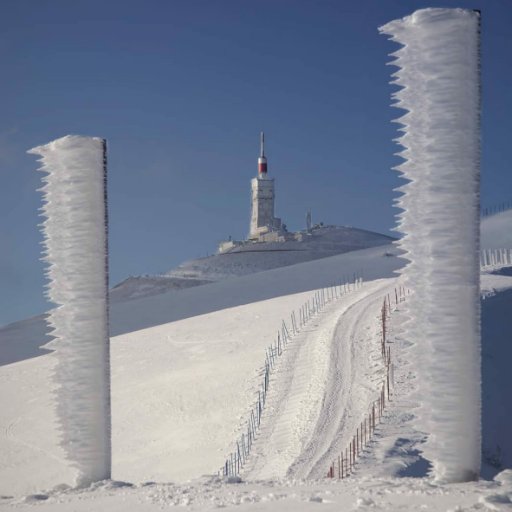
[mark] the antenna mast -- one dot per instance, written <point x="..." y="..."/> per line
<point x="262" y="160"/>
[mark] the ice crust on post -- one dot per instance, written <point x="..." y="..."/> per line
<point x="75" y="250"/>
<point x="439" y="76"/>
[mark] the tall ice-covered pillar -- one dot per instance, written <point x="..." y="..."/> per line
<point x="439" y="76"/>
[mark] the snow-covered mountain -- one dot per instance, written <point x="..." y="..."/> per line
<point x="251" y="257"/>
<point x="183" y="362"/>
<point x="186" y="366"/>
<point x="321" y="242"/>
<point x="143" y="286"/>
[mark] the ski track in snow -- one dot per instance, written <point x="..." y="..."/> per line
<point x="321" y="388"/>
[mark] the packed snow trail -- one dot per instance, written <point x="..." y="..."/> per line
<point x="354" y="381"/>
<point x="321" y="388"/>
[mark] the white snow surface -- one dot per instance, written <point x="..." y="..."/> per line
<point x="331" y="368"/>
<point x="496" y="232"/>
<point x="251" y="257"/>
<point x="75" y="249"/>
<point x="182" y="389"/>
<point x="210" y="493"/>
<point x="185" y="366"/>
<point x="320" y="242"/>
<point x="440" y="92"/>
<point x="154" y="410"/>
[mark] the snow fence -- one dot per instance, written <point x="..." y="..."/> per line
<point x="494" y="259"/>
<point x="310" y="309"/>
<point x="345" y="463"/>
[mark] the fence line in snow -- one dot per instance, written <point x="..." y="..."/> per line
<point x="285" y="334"/>
<point x="493" y="210"/>
<point x="343" y="466"/>
<point x="495" y="258"/>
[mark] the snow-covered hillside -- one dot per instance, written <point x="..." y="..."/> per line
<point x="251" y="257"/>
<point x="247" y="259"/>
<point x="186" y="365"/>
<point x="143" y="286"/>
<point x="25" y="339"/>
<point x="496" y="232"/>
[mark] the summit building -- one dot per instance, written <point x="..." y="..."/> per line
<point x="265" y="227"/>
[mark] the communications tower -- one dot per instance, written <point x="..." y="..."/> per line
<point x="262" y="216"/>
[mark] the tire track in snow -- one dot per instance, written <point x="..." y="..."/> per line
<point x="355" y="362"/>
<point x="293" y="392"/>
<point x="298" y="400"/>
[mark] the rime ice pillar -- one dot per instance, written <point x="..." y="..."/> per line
<point x="439" y="78"/>
<point x="75" y="249"/>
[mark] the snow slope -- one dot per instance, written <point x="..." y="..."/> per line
<point x="251" y="257"/>
<point x="320" y="242"/>
<point x="135" y="287"/>
<point x="322" y="377"/>
<point x="398" y="446"/>
<point x="25" y="339"/>
<point x="299" y="441"/>
<point x="187" y="370"/>
<point x="147" y="397"/>
<point x="184" y="367"/>
<point x="495" y="231"/>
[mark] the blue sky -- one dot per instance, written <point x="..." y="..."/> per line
<point x="181" y="90"/>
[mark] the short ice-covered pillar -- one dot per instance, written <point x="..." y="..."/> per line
<point x="75" y="250"/>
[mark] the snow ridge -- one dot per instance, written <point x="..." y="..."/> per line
<point x="75" y="249"/>
<point x="440" y="92"/>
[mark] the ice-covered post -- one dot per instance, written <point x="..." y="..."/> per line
<point x="439" y="76"/>
<point x="75" y="249"/>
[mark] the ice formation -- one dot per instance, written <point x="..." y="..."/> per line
<point x="75" y="249"/>
<point x="439" y="78"/>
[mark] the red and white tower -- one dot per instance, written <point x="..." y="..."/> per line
<point x="262" y="160"/>
<point x="262" y="217"/>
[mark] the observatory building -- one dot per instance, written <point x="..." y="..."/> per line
<point x="264" y="226"/>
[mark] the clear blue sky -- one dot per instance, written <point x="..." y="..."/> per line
<point x="181" y="90"/>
